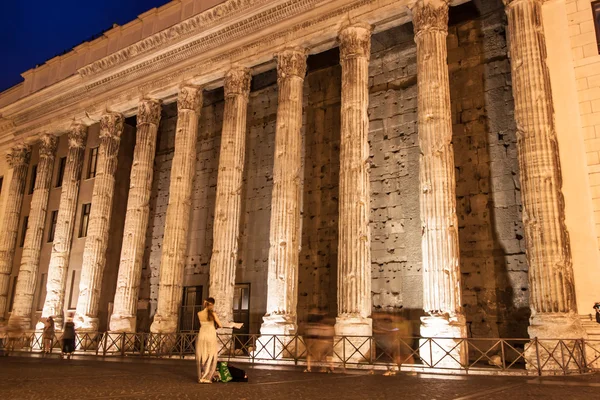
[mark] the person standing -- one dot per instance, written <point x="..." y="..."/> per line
<point x="48" y="335"/>
<point x="206" y="342"/>
<point x="68" y="339"/>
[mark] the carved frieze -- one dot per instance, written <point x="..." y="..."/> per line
<point x="19" y="155"/>
<point x="149" y="112"/>
<point x="355" y="41"/>
<point x="190" y="98"/>
<point x="430" y="15"/>
<point x="237" y="81"/>
<point x="291" y="62"/>
<point x="111" y="125"/>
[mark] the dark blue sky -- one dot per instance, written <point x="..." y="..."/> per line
<point x="34" y="31"/>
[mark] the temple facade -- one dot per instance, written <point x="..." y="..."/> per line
<point x="435" y="158"/>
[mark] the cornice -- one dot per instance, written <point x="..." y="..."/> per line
<point x="258" y="32"/>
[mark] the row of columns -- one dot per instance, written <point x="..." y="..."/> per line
<point x="550" y="274"/>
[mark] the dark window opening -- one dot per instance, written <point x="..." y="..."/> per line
<point x="42" y="293"/>
<point x="23" y="231"/>
<point x="72" y="298"/>
<point x="191" y="305"/>
<point x="1" y="181"/>
<point x="53" y="221"/>
<point x="241" y="306"/>
<point x="33" y="177"/>
<point x="12" y="294"/>
<point x="85" y="219"/>
<point x="92" y="163"/>
<point x="596" y="14"/>
<point x="62" y="163"/>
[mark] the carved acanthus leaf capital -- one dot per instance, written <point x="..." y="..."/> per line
<point x="190" y="98"/>
<point x="149" y="112"/>
<point x="19" y="155"/>
<point x="77" y="135"/>
<point x="430" y="15"/>
<point x="291" y="62"/>
<point x="355" y="41"/>
<point x="111" y="125"/>
<point x="48" y="143"/>
<point x="237" y="81"/>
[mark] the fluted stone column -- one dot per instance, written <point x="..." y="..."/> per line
<point x="354" y="249"/>
<point x="61" y="247"/>
<point x="96" y="242"/>
<point x="441" y="268"/>
<point x="174" y="245"/>
<point x="551" y="284"/>
<point x="124" y="314"/>
<point x="30" y="260"/>
<point x="18" y="159"/>
<point x="229" y="187"/>
<point x="285" y="235"/>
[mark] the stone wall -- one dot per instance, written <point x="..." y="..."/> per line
<point x="493" y="262"/>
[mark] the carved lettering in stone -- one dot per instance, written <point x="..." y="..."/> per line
<point x="19" y="155"/>
<point x="111" y="125"/>
<point x="237" y="81"/>
<point x="355" y="41"/>
<point x="291" y="62"/>
<point x="189" y="98"/>
<point x="430" y="15"/>
<point x="149" y="112"/>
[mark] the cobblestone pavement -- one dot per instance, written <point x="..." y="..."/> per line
<point x="52" y="378"/>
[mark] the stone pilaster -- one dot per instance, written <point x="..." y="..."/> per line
<point x="551" y="284"/>
<point x="441" y="268"/>
<point x="229" y="187"/>
<point x="285" y="235"/>
<point x="61" y="247"/>
<point x="178" y="211"/>
<point x="96" y="242"/>
<point x="123" y="318"/>
<point x="18" y="159"/>
<point x="354" y="250"/>
<point x="30" y="260"/>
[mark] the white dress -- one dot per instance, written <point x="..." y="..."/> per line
<point x="206" y="350"/>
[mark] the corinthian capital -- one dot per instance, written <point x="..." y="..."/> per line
<point x="430" y="15"/>
<point x="19" y="155"/>
<point x="111" y="125"/>
<point x="291" y="62"/>
<point x="190" y="98"/>
<point x="237" y="81"/>
<point x="77" y="135"/>
<point x="48" y="144"/>
<point x="149" y="112"/>
<point x="355" y="41"/>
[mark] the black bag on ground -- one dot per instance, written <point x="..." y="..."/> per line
<point x="238" y="374"/>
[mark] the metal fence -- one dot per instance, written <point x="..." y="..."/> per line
<point x="445" y="355"/>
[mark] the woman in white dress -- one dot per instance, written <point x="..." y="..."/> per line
<point x="206" y="342"/>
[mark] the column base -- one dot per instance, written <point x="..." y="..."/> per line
<point x="122" y="323"/>
<point x="164" y="324"/>
<point x="446" y="348"/>
<point x="278" y="338"/>
<point x="352" y="342"/>
<point x="86" y="323"/>
<point x="555" y="355"/>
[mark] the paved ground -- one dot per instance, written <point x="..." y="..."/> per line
<point x="33" y="378"/>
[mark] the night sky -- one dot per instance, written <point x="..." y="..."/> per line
<point x="34" y="31"/>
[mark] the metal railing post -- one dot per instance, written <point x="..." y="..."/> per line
<point x="537" y="354"/>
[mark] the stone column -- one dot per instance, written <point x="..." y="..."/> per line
<point x="124" y="314"/>
<point x="441" y="268"/>
<point x="174" y="246"/>
<point x="354" y="251"/>
<point x="61" y="247"/>
<point x="285" y="235"/>
<point x="96" y="242"/>
<point x="551" y="285"/>
<point x="229" y="187"/>
<point x="30" y="260"/>
<point x="18" y="160"/>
